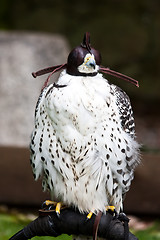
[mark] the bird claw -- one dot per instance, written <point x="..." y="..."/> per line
<point x="111" y="209"/>
<point x="48" y="203"/>
<point x="58" y="208"/>
<point x="52" y="206"/>
<point x="108" y="208"/>
<point x="89" y="215"/>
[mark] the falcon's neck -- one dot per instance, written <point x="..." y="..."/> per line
<point x="67" y="79"/>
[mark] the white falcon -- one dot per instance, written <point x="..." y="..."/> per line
<point x="83" y="144"/>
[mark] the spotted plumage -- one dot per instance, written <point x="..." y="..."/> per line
<point x="83" y="144"/>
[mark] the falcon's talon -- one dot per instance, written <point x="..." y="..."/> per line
<point x="112" y="208"/>
<point x="49" y="202"/>
<point x="51" y="208"/>
<point x="51" y="205"/>
<point x="89" y="215"/>
<point x="58" y="207"/>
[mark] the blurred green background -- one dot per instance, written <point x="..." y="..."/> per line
<point x="126" y="32"/>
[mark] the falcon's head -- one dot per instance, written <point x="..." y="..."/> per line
<point x="84" y="60"/>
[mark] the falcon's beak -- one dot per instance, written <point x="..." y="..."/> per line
<point x="91" y="63"/>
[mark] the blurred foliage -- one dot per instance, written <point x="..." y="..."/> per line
<point x="127" y="33"/>
<point x="151" y="233"/>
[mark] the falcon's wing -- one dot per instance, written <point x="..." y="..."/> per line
<point x="125" y="110"/>
<point x="128" y="124"/>
<point x="36" y="158"/>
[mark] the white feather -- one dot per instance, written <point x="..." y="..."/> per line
<point x="81" y="129"/>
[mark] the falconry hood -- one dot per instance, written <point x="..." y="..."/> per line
<point x="84" y="61"/>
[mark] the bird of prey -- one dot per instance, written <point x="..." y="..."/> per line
<point x="83" y="144"/>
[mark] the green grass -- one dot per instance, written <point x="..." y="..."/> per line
<point x="12" y="223"/>
<point x="151" y="233"/>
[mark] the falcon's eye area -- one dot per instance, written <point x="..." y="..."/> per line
<point x="88" y="57"/>
<point x="88" y="65"/>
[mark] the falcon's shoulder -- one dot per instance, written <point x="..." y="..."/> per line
<point x="42" y="98"/>
<point x="125" y="111"/>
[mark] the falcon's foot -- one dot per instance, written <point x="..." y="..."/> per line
<point x="48" y="203"/>
<point x="112" y="208"/>
<point x="52" y="206"/>
<point x="108" y="208"/>
<point x="89" y="215"/>
<point x="58" y="208"/>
